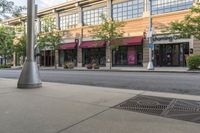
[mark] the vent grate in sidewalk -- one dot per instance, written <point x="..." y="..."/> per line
<point x="186" y="110"/>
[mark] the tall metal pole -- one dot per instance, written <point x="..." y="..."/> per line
<point x="30" y="77"/>
<point x="150" y="64"/>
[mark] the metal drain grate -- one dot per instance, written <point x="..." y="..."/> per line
<point x="185" y="110"/>
<point x="166" y="107"/>
<point x="146" y="104"/>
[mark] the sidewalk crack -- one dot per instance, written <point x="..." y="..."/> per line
<point x="64" y="129"/>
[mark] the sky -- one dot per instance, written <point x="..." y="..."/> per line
<point x="42" y="4"/>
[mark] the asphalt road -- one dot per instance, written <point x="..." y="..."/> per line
<point x="184" y="83"/>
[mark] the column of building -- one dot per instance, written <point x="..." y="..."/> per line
<point x="58" y="28"/>
<point x="108" y="52"/>
<point x="196" y="42"/>
<point x="80" y="24"/>
<point x="145" y="43"/>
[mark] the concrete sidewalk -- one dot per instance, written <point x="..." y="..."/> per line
<point x="63" y="108"/>
<point x="122" y="69"/>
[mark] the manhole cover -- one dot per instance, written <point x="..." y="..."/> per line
<point x="186" y="110"/>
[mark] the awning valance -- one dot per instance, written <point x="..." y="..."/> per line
<point x="68" y="46"/>
<point x="92" y="44"/>
<point x="138" y="40"/>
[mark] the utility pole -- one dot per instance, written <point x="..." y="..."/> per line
<point x="30" y="77"/>
<point x="150" y="37"/>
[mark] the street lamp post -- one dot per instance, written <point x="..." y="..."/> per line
<point x="30" y="77"/>
<point x="150" y="37"/>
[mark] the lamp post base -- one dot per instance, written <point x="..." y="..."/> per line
<point x="150" y="66"/>
<point x="29" y="77"/>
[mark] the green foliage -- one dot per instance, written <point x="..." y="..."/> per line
<point x="20" y="41"/>
<point x="8" y="8"/>
<point x="108" y="31"/>
<point x="7" y="35"/>
<point x="5" y="66"/>
<point x="194" y="62"/>
<point x="190" y="25"/>
<point x="95" y="66"/>
<point x="20" y="46"/>
<point x="50" y="35"/>
<point x="69" y="65"/>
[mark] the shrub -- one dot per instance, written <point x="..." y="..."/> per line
<point x="69" y="65"/>
<point x="5" y="66"/>
<point x="89" y="66"/>
<point x="95" y="66"/>
<point x="194" y="62"/>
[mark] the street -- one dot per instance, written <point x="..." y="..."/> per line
<point x="183" y="83"/>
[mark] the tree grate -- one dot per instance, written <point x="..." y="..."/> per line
<point x="180" y="109"/>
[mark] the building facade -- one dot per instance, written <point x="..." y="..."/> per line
<point x="76" y="17"/>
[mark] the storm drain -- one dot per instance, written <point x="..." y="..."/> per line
<point x="186" y="110"/>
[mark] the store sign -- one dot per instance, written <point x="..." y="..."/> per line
<point x="132" y="56"/>
<point x="170" y="38"/>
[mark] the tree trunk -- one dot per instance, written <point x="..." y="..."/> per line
<point x="5" y="60"/>
<point x="110" y="54"/>
<point x="44" y="58"/>
<point x="55" y="59"/>
<point x="110" y="57"/>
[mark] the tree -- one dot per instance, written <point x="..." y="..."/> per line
<point x="7" y="35"/>
<point x="190" y="25"/>
<point x="8" y="9"/>
<point x="20" y="43"/>
<point x="109" y="31"/>
<point x="49" y="36"/>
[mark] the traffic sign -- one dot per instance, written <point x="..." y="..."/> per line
<point x="150" y="46"/>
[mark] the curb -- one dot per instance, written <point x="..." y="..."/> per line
<point x="107" y="70"/>
<point x="144" y="71"/>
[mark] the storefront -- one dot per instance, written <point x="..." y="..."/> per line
<point x="68" y="53"/>
<point x="93" y="52"/>
<point x="1" y="60"/>
<point x="129" y="53"/>
<point x="47" y="58"/>
<point x="171" y="50"/>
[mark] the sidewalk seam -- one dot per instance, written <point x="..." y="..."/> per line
<point x="64" y="129"/>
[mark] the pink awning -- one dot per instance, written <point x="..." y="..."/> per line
<point x="92" y="44"/>
<point x="138" y="40"/>
<point x="68" y="46"/>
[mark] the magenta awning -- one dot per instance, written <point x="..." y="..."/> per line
<point x="68" y="46"/>
<point x="93" y="44"/>
<point x="138" y="40"/>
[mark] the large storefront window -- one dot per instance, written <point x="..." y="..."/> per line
<point x="70" y="56"/>
<point x="66" y="56"/>
<point x="47" y="58"/>
<point x="171" y="54"/>
<point x="94" y="55"/>
<point x="164" y="6"/>
<point x="128" y="10"/>
<point x="128" y="55"/>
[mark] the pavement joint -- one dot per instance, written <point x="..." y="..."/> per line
<point x="64" y="129"/>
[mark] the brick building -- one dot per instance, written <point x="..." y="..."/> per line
<point x="77" y="16"/>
